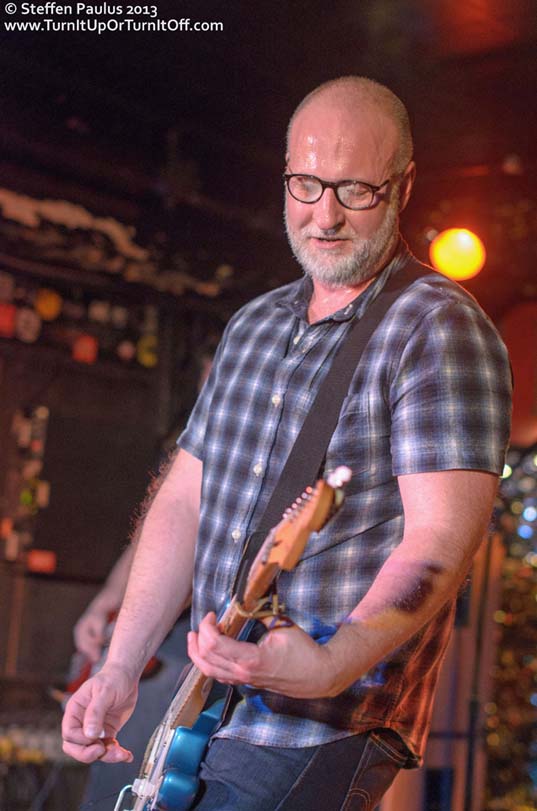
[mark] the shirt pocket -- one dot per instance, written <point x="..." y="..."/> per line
<point x="350" y="443"/>
<point x="362" y="440"/>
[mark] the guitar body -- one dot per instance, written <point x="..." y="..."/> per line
<point x="180" y="782"/>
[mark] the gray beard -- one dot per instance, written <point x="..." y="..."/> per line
<point x="363" y="263"/>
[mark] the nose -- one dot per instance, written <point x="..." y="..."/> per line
<point x="328" y="213"/>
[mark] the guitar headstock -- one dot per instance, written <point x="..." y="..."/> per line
<point x="309" y="513"/>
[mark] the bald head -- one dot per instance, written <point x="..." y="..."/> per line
<point x="359" y="97"/>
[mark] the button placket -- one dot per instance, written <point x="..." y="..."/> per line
<point x="266" y="440"/>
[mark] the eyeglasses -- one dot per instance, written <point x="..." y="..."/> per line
<point x="354" y="194"/>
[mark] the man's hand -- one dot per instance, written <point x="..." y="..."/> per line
<point x="286" y="661"/>
<point x="94" y="715"/>
<point x="88" y="633"/>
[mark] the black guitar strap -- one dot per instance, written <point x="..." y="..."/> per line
<point x="308" y="452"/>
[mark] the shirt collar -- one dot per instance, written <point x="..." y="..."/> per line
<point x="298" y="297"/>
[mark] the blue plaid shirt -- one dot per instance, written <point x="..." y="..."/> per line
<point x="431" y="392"/>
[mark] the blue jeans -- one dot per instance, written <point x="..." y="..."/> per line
<point x="347" y="775"/>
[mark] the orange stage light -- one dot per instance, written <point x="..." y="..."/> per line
<point x="42" y="561"/>
<point x="457" y="253"/>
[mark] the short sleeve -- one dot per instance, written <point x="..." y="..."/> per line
<point x="451" y="394"/>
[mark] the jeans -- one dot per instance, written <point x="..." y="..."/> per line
<point x="351" y="774"/>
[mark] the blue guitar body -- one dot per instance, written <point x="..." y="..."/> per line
<point x="180" y="782"/>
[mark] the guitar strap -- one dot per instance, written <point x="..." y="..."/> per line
<point x="308" y="452"/>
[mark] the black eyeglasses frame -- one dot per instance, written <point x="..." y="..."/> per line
<point x="328" y="184"/>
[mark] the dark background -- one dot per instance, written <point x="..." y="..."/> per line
<point x="180" y="134"/>
<point x="183" y="132"/>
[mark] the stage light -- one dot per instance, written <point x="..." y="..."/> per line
<point x="457" y="253"/>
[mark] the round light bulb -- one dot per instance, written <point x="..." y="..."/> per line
<point x="457" y="253"/>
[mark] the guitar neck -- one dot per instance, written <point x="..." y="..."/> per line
<point x="192" y="695"/>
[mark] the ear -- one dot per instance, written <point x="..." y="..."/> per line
<point x="406" y="185"/>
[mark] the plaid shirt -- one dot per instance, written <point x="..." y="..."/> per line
<point x="431" y="392"/>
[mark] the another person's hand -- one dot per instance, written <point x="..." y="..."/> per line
<point x="286" y="661"/>
<point x="94" y="715"/>
<point x="89" y="632"/>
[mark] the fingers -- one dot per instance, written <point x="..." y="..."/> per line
<point x="93" y="716"/>
<point x="77" y="742"/>
<point x="211" y="664"/>
<point x="288" y="661"/>
<point x="221" y="657"/>
<point x="106" y="749"/>
<point x="81" y="727"/>
<point x="85" y="753"/>
<point x="93" y="722"/>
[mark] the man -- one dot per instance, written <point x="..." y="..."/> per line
<point x="424" y="427"/>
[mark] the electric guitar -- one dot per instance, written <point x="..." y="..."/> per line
<point x="168" y="776"/>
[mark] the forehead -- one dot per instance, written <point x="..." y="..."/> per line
<point x="336" y="139"/>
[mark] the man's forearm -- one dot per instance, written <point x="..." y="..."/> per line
<point x="406" y="594"/>
<point x="446" y="517"/>
<point x="160" y="580"/>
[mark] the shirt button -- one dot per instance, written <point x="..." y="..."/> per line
<point x="258" y="469"/>
<point x="236" y="535"/>
<point x="296" y="339"/>
<point x="276" y="399"/>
